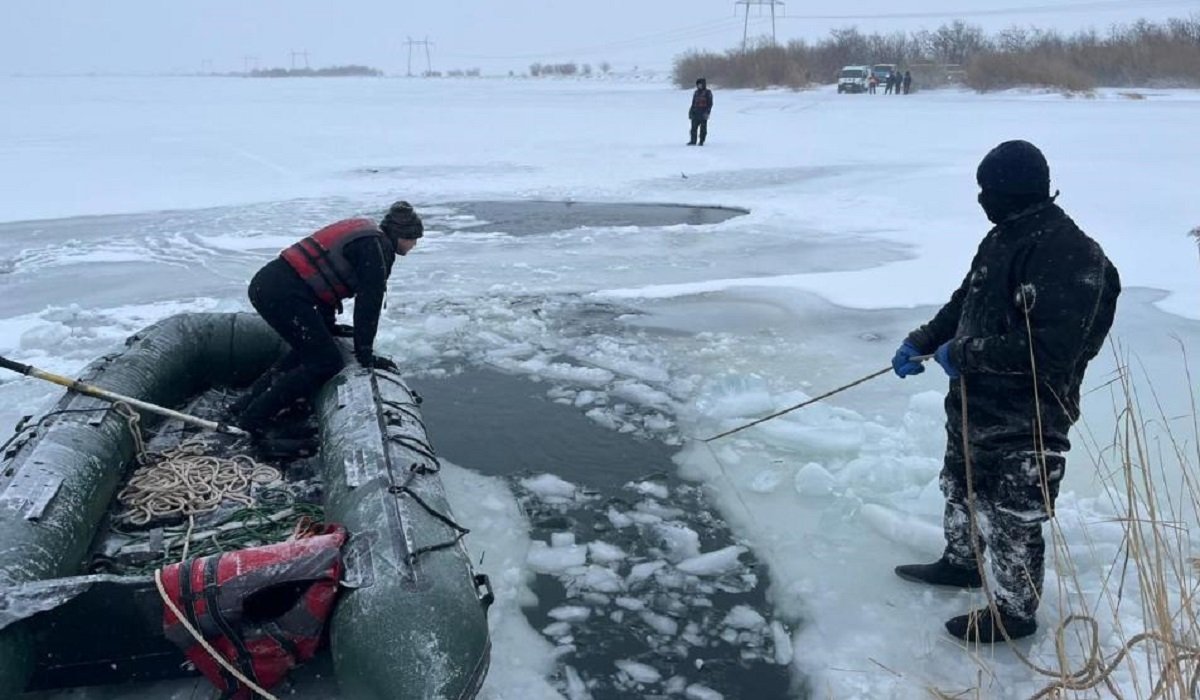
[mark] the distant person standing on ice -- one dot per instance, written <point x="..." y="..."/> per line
<point x="702" y="104"/>
<point x="300" y="292"/>
<point x="1015" y="340"/>
<point x="907" y="82"/>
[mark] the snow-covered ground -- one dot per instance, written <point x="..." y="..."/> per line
<point x="863" y="217"/>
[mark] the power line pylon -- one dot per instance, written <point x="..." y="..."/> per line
<point x="428" y="60"/>
<point x="746" y="26"/>
<point x="303" y="54"/>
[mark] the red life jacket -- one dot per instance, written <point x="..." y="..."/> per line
<point x="217" y="596"/>
<point x="320" y="261"/>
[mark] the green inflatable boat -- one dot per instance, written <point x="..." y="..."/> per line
<point x="410" y="618"/>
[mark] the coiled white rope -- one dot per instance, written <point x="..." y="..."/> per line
<point x="184" y="480"/>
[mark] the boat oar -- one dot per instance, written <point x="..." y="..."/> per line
<point x="822" y="397"/>
<point x="106" y="395"/>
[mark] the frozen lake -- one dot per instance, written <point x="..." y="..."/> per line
<point x="129" y="199"/>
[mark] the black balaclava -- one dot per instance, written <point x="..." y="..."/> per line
<point x="1012" y="177"/>
<point x="701" y="83"/>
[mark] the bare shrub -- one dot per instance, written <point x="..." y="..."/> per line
<point x="997" y="71"/>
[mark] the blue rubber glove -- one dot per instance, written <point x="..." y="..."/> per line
<point x="903" y="363"/>
<point x="942" y="356"/>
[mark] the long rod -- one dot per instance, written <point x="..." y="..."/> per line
<point x="811" y="401"/>
<point x="106" y="395"/>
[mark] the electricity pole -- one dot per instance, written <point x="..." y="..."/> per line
<point x="746" y="26"/>
<point x="303" y="54"/>
<point x="428" y="61"/>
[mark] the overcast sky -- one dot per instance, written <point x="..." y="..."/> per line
<point x="150" y="36"/>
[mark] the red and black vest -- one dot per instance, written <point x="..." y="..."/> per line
<point x="263" y="608"/>
<point x="320" y="261"/>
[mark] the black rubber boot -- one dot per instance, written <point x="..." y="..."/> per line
<point x="980" y="626"/>
<point x="941" y="573"/>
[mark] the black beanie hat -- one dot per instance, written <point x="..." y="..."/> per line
<point x="1015" y="168"/>
<point x="402" y="222"/>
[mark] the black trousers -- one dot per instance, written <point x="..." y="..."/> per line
<point x="701" y="126"/>
<point x="1014" y="494"/>
<point x="290" y="307"/>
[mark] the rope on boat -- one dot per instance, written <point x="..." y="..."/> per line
<point x="184" y="480"/>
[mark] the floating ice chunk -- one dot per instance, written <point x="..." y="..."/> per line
<point x="696" y="691"/>
<point x="661" y="623"/>
<point x="630" y="603"/>
<point x="600" y="579"/>
<point x="557" y="629"/>
<point x="782" y="642"/>
<point x="550" y="488"/>
<point x="548" y="560"/>
<point x="639" y="672"/>
<point x="618" y="519"/>
<point x="644" y="570"/>
<point x="650" y="488"/>
<point x="604" y="418"/>
<point x="569" y="613"/>
<point x="836" y="438"/>
<point x="658" y="422"/>
<point x="586" y="398"/>
<point x="604" y="553"/>
<point x="638" y="393"/>
<point x="675" y="685"/>
<point x="653" y="507"/>
<point x="813" y="480"/>
<point x="679" y="542"/>
<point x="744" y="617"/>
<point x="562" y="539"/>
<point x="645" y="518"/>
<point x="560" y="371"/>
<point x="729" y="635"/>
<point x="713" y="563"/>
<point x="576" y="688"/>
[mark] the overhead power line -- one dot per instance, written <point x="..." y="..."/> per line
<point x="676" y="35"/>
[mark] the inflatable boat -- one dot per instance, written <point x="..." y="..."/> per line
<point x="410" y="616"/>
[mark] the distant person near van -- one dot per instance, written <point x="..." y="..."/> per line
<point x="872" y="82"/>
<point x="907" y="82"/>
<point x="889" y="84"/>
<point x="702" y="104"/>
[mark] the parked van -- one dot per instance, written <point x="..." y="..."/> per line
<point x="883" y="71"/>
<point x="853" y="79"/>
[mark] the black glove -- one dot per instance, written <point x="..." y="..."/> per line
<point x="369" y="360"/>
<point x="342" y="330"/>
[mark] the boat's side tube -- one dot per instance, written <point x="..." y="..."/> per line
<point x="56" y="483"/>
<point x="413" y="624"/>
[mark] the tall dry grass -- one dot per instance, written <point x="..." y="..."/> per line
<point x="1141" y="54"/>
<point x="1136" y="635"/>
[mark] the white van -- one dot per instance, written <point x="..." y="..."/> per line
<point x="853" y="79"/>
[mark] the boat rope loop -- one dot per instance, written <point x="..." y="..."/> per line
<point x="184" y="480"/>
<point x="401" y="490"/>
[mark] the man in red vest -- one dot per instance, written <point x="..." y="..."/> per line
<point x="300" y="293"/>
<point x="702" y="104"/>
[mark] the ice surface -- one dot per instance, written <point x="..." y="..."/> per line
<point x="639" y="672"/>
